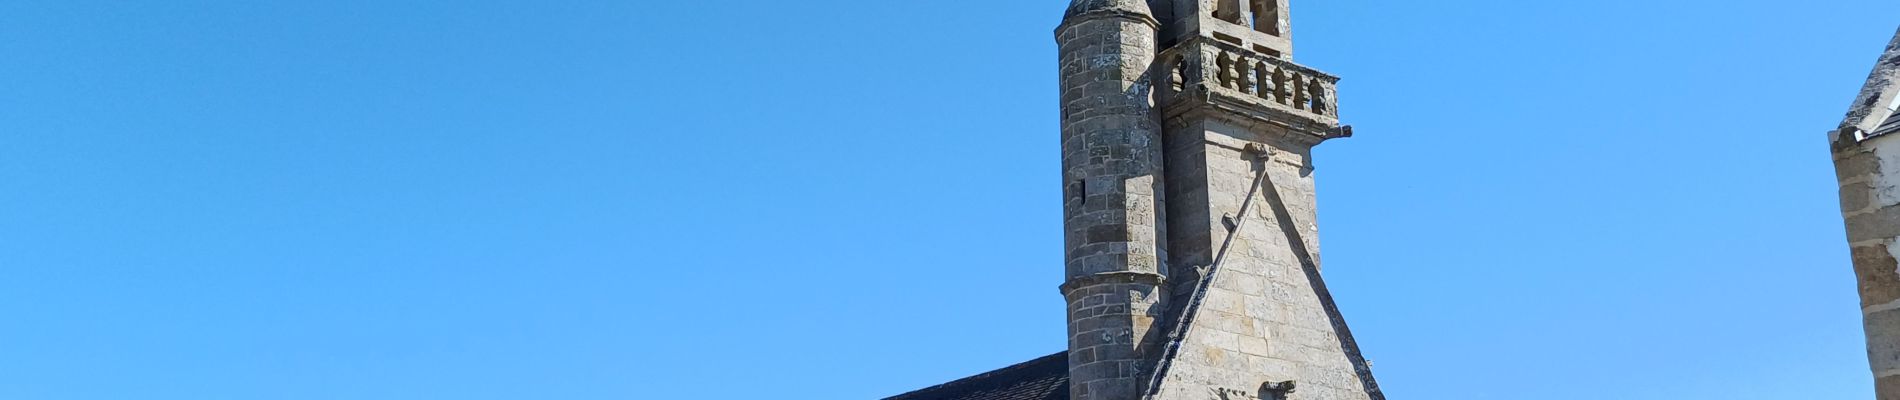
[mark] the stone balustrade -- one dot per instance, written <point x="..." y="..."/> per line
<point x="1250" y="77"/>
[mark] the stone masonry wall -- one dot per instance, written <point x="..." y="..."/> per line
<point x="1870" y="201"/>
<point x="1263" y="320"/>
<point x="1869" y="173"/>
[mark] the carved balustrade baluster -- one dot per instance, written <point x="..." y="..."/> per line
<point x="1280" y="89"/>
<point x="1318" y="93"/>
<point x="1176" y="78"/>
<point x="1300" y="96"/>
<point x="1226" y="66"/>
<point x="1244" y="80"/>
<point x="1264" y="78"/>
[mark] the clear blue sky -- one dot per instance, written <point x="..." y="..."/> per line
<point x="830" y="199"/>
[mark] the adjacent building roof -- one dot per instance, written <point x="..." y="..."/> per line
<point x="1045" y="378"/>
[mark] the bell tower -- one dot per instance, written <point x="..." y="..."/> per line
<point x="1250" y="312"/>
<point x="1190" y="211"/>
<point x="1263" y="25"/>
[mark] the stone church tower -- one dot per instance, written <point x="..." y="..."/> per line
<point x="1192" y="265"/>
<point x="1867" y="161"/>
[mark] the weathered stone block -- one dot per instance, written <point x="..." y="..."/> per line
<point x="1883" y="223"/>
<point x="1878" y="273"/>
<point x="1883" y="341"/>
<point x="1856" y="196"/>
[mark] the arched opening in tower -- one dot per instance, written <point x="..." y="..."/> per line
<point x="1266" y="16"/>
<point x="1228" y="10"/>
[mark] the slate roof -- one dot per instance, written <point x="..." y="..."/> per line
<point x="1045" y="378"/>
<point x="1883" y="83"/>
